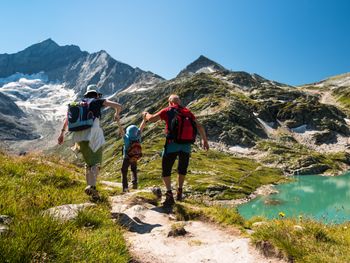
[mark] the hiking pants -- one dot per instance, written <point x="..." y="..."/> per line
<point x="168" y="161"/>
<point x="124" y="170"/>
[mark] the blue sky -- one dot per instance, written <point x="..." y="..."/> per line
<point x="291" y="41"/>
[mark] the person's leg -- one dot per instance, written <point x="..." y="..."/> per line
<point x="93" y="161"/>
<point x="167" y="164"/>
<point x="124" y="171"/>
<point x="134" y="181"/>
<point x="184" y="159"/>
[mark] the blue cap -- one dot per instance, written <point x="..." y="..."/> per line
<point x="132" y="132"/>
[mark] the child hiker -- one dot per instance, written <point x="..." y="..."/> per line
<point x="132" y="152"/>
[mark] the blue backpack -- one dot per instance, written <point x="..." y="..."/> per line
<point x="80" y="117"/>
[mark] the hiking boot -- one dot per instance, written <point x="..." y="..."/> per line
<point x="134" y="186"/>
<point x="126" y="190"/>
<point x="95" y="196"/>
<point x="169" y="199"/>
<point x="88" y="190"/>
<point x="179" y="195"/>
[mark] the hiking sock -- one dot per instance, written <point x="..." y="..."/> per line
<point x="91" y="174"/>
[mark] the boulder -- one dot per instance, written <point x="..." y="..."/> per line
<point x="325" y="137"/>
<point x="259" y="224"/>
<point x="67" y="212"/>
<point x="5" y="219"/>
<point x="298" y="228"/>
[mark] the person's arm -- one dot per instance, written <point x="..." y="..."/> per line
<point x="142" y="125"/>
<point x="118" y="108"/>
<point x="152" y="117"/>
<point x="121" y="130"/>
<point x="203" y="135"/>
<point x="63" y="130"/>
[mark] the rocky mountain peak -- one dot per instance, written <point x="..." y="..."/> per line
<point x="201" y="64"/>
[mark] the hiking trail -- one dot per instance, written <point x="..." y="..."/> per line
<point x="147" y="236"/>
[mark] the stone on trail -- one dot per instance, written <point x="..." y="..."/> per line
<point x="67" y="212"/>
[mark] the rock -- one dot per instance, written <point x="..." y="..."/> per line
<point x="259" y="224"/>
<point x="5" y="219"/>
<point x="266" y="190"/>
<point x="67" y="212"/>
<point x="325" y="137"/>
<point x="312" y="169"/>
<point x="157" y="192"/>
<point x="111" y="184"/>
<point x="272" y="201"/>
<point x="177" y="231"/>
<point x="3" y="229"/>
<point x="268" y="249"/>
<point x="298" y="228"/>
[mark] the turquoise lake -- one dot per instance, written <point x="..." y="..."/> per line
<point x="323" y="198"/>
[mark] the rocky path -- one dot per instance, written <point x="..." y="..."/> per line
<point x="149" y="226"/>
<point x="328" y="98"/>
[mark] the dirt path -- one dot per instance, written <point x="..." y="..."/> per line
<point x="147" y="235"/>
<point x="328" y="98"/>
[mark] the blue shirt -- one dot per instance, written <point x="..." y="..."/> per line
<point x="127" y="143"/>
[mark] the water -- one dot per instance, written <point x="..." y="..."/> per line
<point x="323" y="198"/>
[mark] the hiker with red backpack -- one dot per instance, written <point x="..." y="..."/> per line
<point x="181" y="131"/>
<point x="132" y="152"/>
<point x="83" y="120"/>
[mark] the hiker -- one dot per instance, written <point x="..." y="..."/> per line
<point x="181" y="130"/>
<point x="132" y="152"/>
<point x="87" y="133"/>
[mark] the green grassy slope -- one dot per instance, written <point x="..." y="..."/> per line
<point x="31" y="184"/>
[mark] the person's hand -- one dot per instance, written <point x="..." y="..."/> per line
<point x="205" y="145"/>
<point x="61" y="138"/>
<point x="144" y="114"/>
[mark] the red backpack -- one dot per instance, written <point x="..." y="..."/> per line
<point x="182" y="126"/>
<point x="135" y="151"/>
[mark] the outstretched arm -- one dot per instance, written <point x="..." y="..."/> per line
<point x="63" y="130"/>
<point x="203" y="135"/>
<point x="151" y="117"/>
<point x="118" y="108"/>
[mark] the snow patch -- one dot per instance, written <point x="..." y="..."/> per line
<point x="208" y="69"/>
<point x="300" y="129"/>
<point x="267" y="126"/>
<point x="35" y="96"/>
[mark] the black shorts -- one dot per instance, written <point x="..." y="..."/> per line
<point x="168" y="162"/>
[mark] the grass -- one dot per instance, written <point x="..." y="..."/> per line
<point x="315" y="242"/>
<point x="31" y="184"/>
<point x="311" y="242"/>
<point x="240" y="176"/>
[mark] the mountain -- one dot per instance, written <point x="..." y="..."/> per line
<point x="13" y="122"/>
<point x="73" y="67"/>
<point x="201" y="65"/>
<point x="249" y="116"/>
<point x="43" y="78"/>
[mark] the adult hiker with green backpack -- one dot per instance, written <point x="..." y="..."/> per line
<point x="83" y="120"/>
<point x="181" y="131"/>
